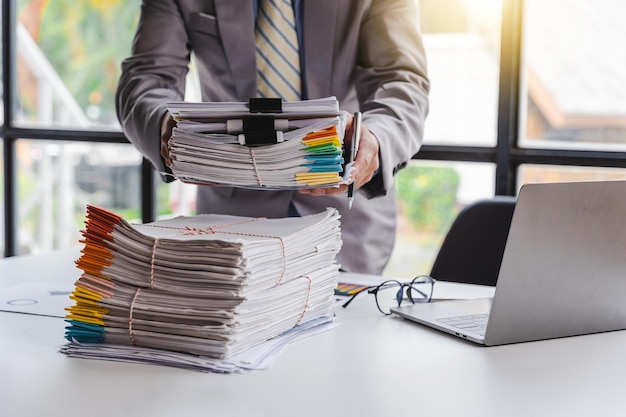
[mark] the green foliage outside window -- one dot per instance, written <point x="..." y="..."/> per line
<point x="85" y="41"/>
<point x="428" y="196"/>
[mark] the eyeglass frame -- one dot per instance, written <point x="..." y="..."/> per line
<point x="374" y="289"/>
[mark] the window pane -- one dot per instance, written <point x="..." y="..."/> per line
<point x="462" y="40"/>
<point x="56" y="180"/>
<point x="552" y="173"/>
<point x="176" y="199"/>
<point x="2" y="251"/>
<point x="1" y="76"/>
<point x="69" y="55"/>
<point x="430" y="195"/>
<point x="574" y="74"/>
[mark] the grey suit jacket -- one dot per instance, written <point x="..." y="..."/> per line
<point x="367" y="53"/>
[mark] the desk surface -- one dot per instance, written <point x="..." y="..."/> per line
<point x="371" y="365"/>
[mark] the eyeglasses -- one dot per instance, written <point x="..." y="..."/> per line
<point x="391" y="293"/>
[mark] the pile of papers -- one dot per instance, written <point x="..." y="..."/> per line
<point x="210" y="145"/>
<point x="201" y="291"/>
<point x="256" y="358"/>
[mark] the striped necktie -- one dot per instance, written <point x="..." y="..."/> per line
<point x="277" y="56"/>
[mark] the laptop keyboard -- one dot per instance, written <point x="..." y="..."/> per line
<point x="474" y="323"/>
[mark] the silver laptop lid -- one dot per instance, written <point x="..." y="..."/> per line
<point x="563" y="271"/>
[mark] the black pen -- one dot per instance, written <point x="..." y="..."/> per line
<point x="354" y="150"/>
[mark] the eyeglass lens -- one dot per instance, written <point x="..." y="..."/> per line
<point x="388" y="295"/>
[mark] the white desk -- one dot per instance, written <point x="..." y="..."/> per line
<point x="371" y="365"/>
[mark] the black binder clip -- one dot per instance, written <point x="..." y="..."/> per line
<point x="260" y="128"/>
<point x="265" y="105"/>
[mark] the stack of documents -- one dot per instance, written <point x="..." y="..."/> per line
<point x="210" y="285"/>
<point x="209" y="146"/>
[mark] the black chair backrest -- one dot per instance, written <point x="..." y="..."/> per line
<point x="473" y="247"/>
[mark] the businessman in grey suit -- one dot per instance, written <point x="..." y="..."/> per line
<point x="367" y="53"/>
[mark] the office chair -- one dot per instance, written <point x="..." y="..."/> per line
<point x="472" y="250"/>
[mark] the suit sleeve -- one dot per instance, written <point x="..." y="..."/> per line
<point x="153" y="75"/>
<point x="392" y="85"/>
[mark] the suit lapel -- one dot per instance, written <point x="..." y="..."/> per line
<point x="319" y="34"/>
<point x="236" y="26"/>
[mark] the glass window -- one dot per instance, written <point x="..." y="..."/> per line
<point x="430" y="195"/>
<point x="69" y="55"/>
<point x="462" y="40"/>
<point x="176" y="199"/>
<point x="2" y="202"/>
<point x="56" y="180"/>
<point x="575" y="83"/>
<point x="529" y="173"/>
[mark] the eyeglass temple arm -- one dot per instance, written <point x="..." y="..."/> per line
<point x="419" y="291"/>
<point x="352" y="297"/>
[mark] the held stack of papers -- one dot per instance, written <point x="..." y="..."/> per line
<point x="211" y="285"/>
<point x="300" y="147"/>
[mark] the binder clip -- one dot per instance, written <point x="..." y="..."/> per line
<point x="265" y="105"/>
<point x="261" y="127"/>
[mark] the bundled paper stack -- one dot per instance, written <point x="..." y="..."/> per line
<point x="209" y="285"/>
<point x="211" y="144"/>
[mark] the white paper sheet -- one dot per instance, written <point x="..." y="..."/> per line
<point x="38" y="298"/>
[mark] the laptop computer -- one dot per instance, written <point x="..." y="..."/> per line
<point x="563" y="271"/>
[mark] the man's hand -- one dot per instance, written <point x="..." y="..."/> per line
<point x="365" y="165"/>
<point x="167" y="124"/>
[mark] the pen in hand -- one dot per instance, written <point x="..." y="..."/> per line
<point x="353" y="152"/>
